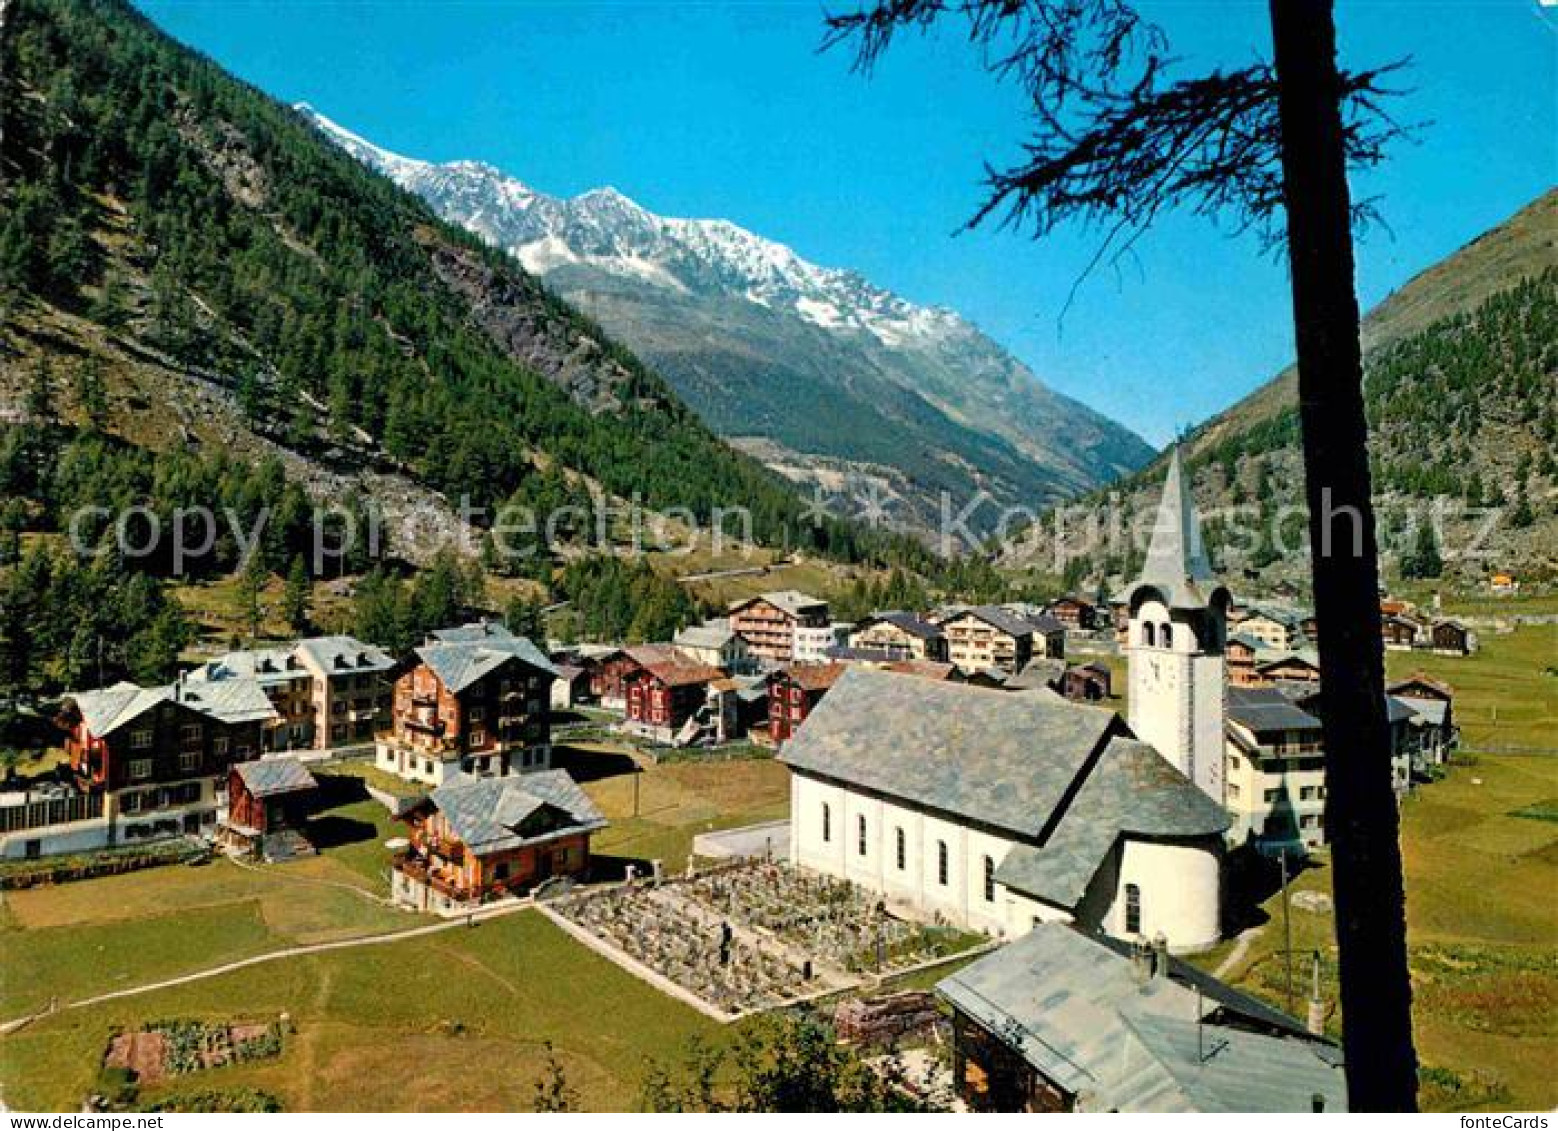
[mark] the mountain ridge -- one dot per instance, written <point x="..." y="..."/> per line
<point x="763" y="343"/>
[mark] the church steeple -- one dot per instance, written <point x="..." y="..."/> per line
<point x="1177" y="566"/>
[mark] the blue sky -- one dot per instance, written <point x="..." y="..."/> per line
<point x="727" y="109"/>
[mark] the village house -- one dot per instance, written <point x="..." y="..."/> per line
<point x="1450" y="638"/>
<point x="1038" y="674"/>
<point x="1433" y="707"/>
<point x="480" y="707"/>
<point x="1073" y="612"/>
<point x="1276" y="629"/>
<point x="988" y="636"/>
<point x="666" y="699"/>
<point x="613" y="669"/>
<point x="1399" y="632"/>
<point x="1089" y="682"/>
<point x="997" y="811"/>
<point x="794" y="692"/>
<point x="328" y="691"/>
<point x="1294" y="667"/>
<point x="739" y="706"/>
<point x="784" y="626"/>
<point x="716" y="645"/>
<point x="1062" y="1021"/>
<point x="267" y="806"/>
<point x="157" y="757"/>
<point x="476" y="839"/>
<point x="1049" y="637"/>
<point x="1239" y="659"/>
<point x="571" y="688"/>
<point x="900" y="636"/>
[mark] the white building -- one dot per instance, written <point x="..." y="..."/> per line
<point x="997" y="811"/>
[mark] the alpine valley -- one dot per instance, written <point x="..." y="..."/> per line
<point x="825" y="377"/>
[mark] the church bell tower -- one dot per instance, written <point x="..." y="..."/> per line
<point x="1174" y="650"/>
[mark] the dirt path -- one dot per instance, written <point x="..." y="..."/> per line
<point x="270" y="956"/>
<point x="1239" y="951"/>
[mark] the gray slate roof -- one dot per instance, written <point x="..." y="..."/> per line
<point x="1266" y="710"/>
<point x="1073" y="1007"/>
<point x="268" y="665"/>
<point x="791" y="601"/>
<point x="489" y="814"/>
<point x="230" y="701"/>
<point x="988" y="756"/>
<point x="271" y="776"/>
<point x="997" y="618"/>
<point x="1177" y="566"/>
<point x="472" y="632"/>
<point x="911" y="623"/>
<point x="227" y="700"/>
<point x="345" y="654"/>
<point x="715" y="635"/>
<point x="1039" y="675"/>
<point x="459" y="665"/>
<point x="1132" y="789"/>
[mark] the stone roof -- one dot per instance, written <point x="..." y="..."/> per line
<point x="997" y="618"/>
<point x="716" y="635"/>
<point x="988" y="756"/>
<point x="910" y="623"/>
<point x="813" y="677"/>
<point x="682" y="672"/>
<point x="333" y="654"/>
<point x="1037" y="675"/>
<point x="268" y="665"/>
<point x="1177" y="568"/>
<point x="1267" y="710"/>
<point x="495" y="814"/>
<point x="459" y="665"/>
<point x="228" y="700"/>
<point x="271" y="776"/>
<point x="924" y="669"/>
<point x="231" y="701"/>
<point x="791" y="601"/>
<point x="1074" y="1007"/>
<point x="1132" y="790"/>
<point x="1046" y="624"/>
<point x="472" y="632"/>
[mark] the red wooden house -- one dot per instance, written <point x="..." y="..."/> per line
<point x="267" y="804"/>
<point x="1088" y="682"/>
<point x="794" y="692"/>
<point x="611" y="672"/>
<point x="474" y="839"/>
<point x="1071" y="611"/>
<point x="664" y="695"/>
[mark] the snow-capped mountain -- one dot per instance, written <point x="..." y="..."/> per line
<point x="818" y="370"/>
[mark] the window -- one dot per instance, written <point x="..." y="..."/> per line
<point x="1307" y="821"/>
<point x="189" y="761"/>
<point x="1132" y="909"/>
<point x="1233" y="791"/>
<point x="901" y="849"/>
<point x="1149" y="635"/>
<point x="860" y="833"/>
<point x="478" y="738"/>
<point x="827" y="823"/>
<point x="989" y="879"/>
<point x="220" y="743"/>
<point x="141" y="740"/>
<point x="140" y="768"/>
<point x="1168" y="636"/>
<point x="1272" y="795"/>
<point x="1308" y="793"/>
<point x="190" y="732"/>
<point x="941" y="863"/>
<point x="477" y="714"/>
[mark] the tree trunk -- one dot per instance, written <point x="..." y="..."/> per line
<point x="1361" y="816"/>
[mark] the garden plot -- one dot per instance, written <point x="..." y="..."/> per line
<point x="757" y="935"/>
<point x="176" y="1048"/>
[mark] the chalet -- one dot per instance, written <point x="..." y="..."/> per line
<point x="794" y="692"/>
<point x="612" y="670"/>
<point x="716" y="645"/>
<point x="1239" y="657"/>
<point x="479" y="707"/>
<point x="160" y="756"/>
<point x="476" y="839"/>
<point x="1089" y="682"/>
<point x="665" y="696"/>
<point x="998" y="811"/>
<point x="1309" y="626"/>
<point x="328" y="691"/>
<point x="267" y="804"/>
<point x="571" y="687"/>
<point x="1433" y="708"/>
<point x="784" y="626"/>
<point x="1271" y="628"/>
<point x="1294" y="667"/>
<point x="1073" y="612"/>
<point x="1399" y="632"/>
<point x="1049" y="637"/>
<point x="739" y="706"/>
<point x="1063" y="1021"/>
<point x="900" y="636"/>
<point x="988" y="636"/>
<point x="1503" y="583"/>
<point x="1039" y="674"/>
<point x="1450" y="638"/>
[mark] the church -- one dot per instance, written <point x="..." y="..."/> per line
<point x="998" y="811"/>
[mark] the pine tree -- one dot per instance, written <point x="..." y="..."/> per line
<point x="297" y="595"/>
<point x="251" y="592"/>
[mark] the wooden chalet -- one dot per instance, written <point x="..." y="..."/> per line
<point x="1399" y="632"/>
<point x="1239" y="659"/>
<point x="1072" y="611"/>
<point x="1450" y="638"/>
<point x="480" y="707"/>
<point x="665" y="696"/>
<point x="612" y="671"/>
<point x="267" y="806"/>
<point x="1292" y="668"/>
<point x="159" y="756"/>
<point x="989" y="636"/>
<point x="475" y="839"/>
<point x="794" y="692"/>
<point x="1049" y="637"/>
<point x="1087" y="682"/>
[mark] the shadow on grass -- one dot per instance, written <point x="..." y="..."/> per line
<point x="331" y="830"/>
<point x="591" y="765"/>
<point x="1252" y="880"/>
<point x="609" y="869"/>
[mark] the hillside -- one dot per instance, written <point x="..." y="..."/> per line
<point x="817" y="371"/>
<point x="1462" y="391"/>
<point x="186" y="265"/>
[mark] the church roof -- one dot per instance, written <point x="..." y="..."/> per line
<point x="1177" y="566"/>
<point x="1002" y="760"/>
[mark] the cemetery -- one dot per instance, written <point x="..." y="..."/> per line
<point x="756" y="935"/>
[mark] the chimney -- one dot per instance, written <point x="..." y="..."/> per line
<point x="1141" y="960"/>
<point x="1314" y="1021"/>
<point x="1160" y="956"/>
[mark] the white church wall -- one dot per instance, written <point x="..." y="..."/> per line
<point x="1181" y="893"/>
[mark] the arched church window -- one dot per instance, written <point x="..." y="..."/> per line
<point x="902" y="849"/>
<point x="1132" y="909"/>
<point x="827" y="823"/>
<point x="1168" y="636"/>
<point x="860" y="833"/>
<point x="1149" y="634"/>
<point x="941" y="863"/>
<point x="989" y="879"/>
